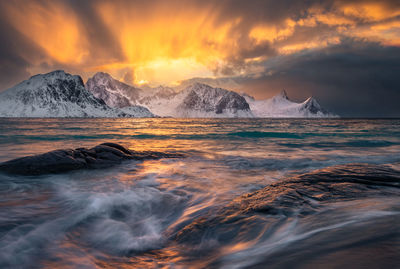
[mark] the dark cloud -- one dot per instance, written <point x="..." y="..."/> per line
<point x="103" y="41"/>
<point x="353" y="79"/>
<point x="13" y="67"/>
<point x="316" y="48"/>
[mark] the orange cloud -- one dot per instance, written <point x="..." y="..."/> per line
<point x="165" y="46"/>
<point x="166" y="41"/>
<point x="53" y="27"/>
<point x="371" y="11"/>
<point x="272" y="32"/>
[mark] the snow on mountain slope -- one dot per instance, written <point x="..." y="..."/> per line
<point x="152" y="95"/>
<point x="280" y="106"/>
<point x="120" y="95"/>
<point x="57" y="94"/>
<point x="197" y="100"/>
<point x="200" y="100"/>
<point x="113" y="92"/>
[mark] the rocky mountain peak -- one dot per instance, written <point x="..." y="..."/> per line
<point x="313" y="106"/>
<point x="202" y="97"/>
<point x="57" y="94"/>
<point x="114" y="92"/>
<point x="282" y="95"/>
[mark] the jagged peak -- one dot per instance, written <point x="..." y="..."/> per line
<point x="102" y="78"/>
<point x="106" y="78"/>
<point x="102" y="75"/>
<point x="312" y="105"/>
<point x="311" y="101"/>
<point x="282" y="95"/>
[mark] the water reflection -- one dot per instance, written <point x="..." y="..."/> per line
<point x="129" y="216"/>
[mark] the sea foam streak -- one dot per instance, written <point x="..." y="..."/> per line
<point x="236" y="197"/>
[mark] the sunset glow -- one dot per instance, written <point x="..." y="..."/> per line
<point x="199" y="133"/>
<point x="169" y="41"/>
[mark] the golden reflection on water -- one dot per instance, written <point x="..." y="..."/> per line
<point x="215" y="171"/>
<point x="165" y="258"/>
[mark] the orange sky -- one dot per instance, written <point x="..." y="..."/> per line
<point x="163" y="42"/>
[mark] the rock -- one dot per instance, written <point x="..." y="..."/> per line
<point x="59" y="161"/>
<point x="297" y="196"/>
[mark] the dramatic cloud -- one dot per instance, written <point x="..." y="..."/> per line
<point x="270" y="43"/>
<point x="354" y="78"/>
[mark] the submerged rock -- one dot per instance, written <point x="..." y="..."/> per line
<point x="58" y="161"/>
<point x="297" y="196"/>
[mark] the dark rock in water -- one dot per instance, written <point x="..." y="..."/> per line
<point x="58" y="161"/>
<point x="298" y="196"/>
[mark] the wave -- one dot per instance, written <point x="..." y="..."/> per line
<point x="118" y="224"/>
<point x="334" y="208"/>
<point x="107" y="219"/>
<point x="344" y="144"/>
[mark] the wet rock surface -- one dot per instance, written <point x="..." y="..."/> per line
<point x="299" y="196"/>
<point x="64" y="160"/>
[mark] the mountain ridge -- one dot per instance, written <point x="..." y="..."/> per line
<point x="59" y="94"/>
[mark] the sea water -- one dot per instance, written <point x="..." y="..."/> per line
<point x="127" y="216"/>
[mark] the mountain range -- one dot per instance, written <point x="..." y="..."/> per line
<point x="59" y="94"/>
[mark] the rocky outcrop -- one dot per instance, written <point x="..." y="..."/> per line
<point x="298" y="196"/>
<point x="64" y="160"/>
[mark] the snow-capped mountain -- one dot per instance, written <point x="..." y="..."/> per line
<point x="204" y="99"/>
<point x="119" y="95"/>
<point x="58" y="94"/>
<point x="200" y="101"/>
<point x="281" y="106"/>
<point x="196" y="100"/>
<point x="113" y="92"/>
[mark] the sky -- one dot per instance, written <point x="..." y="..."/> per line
<point x="344" y="53"/>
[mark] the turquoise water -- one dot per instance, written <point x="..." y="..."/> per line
<point x="252" y="137"/>
<point x="67" y="220"/>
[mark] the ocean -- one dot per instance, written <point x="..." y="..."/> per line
<point x="238" y="198"/>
